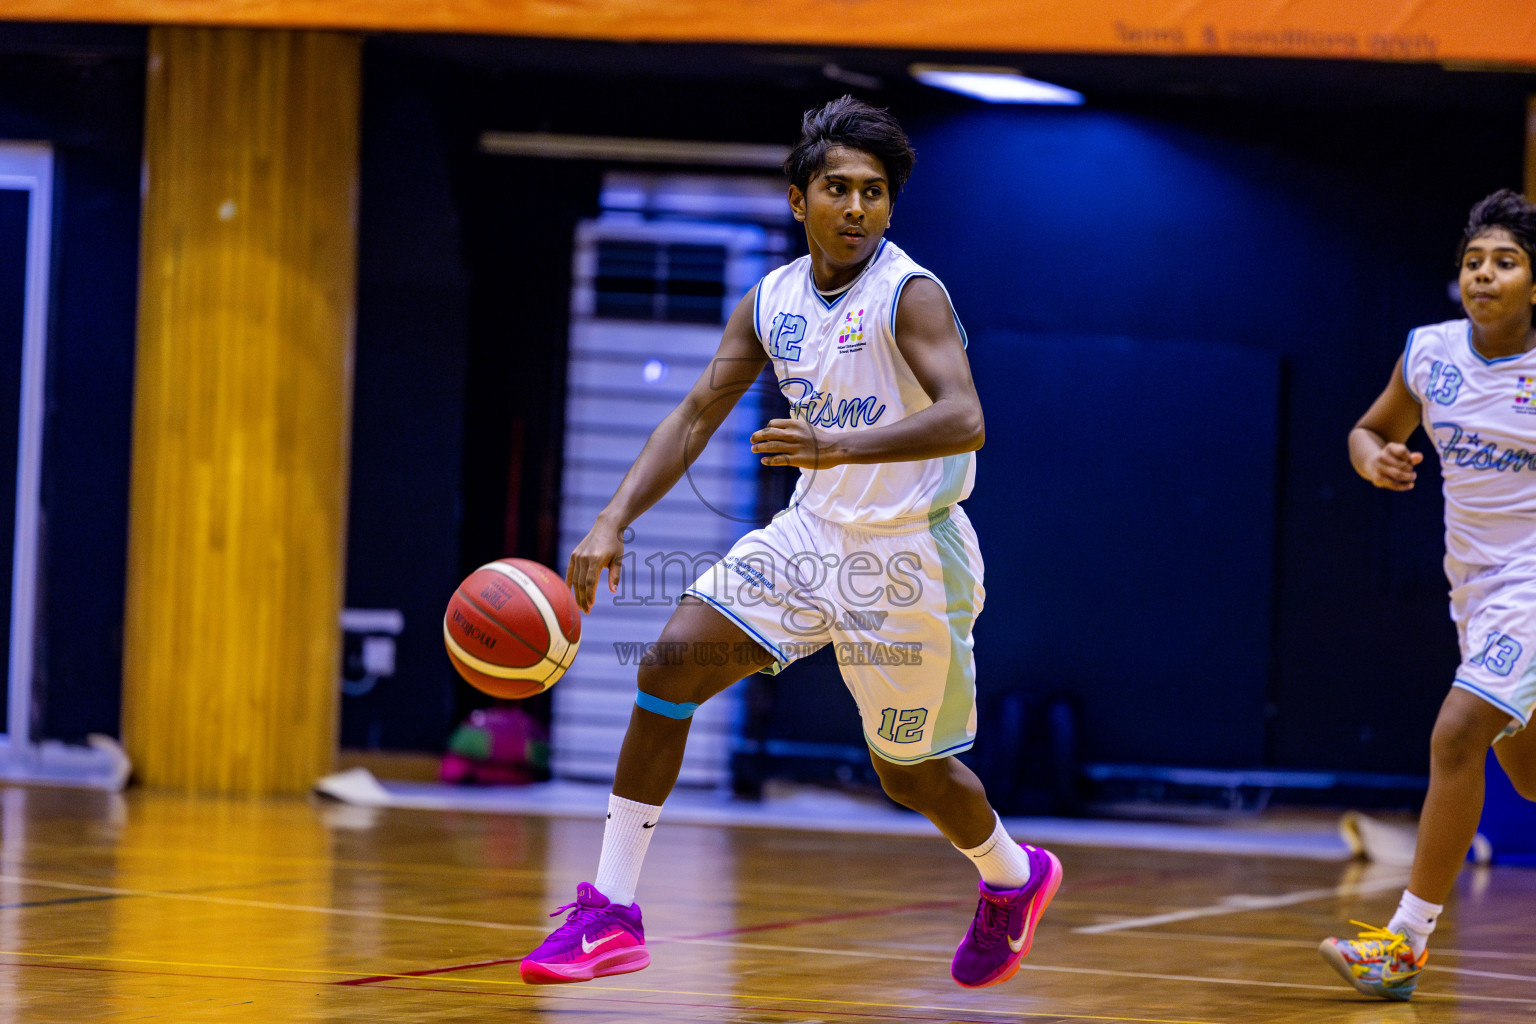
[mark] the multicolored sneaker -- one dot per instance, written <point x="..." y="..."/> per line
<point x="1004" y="925"/>
<point x="597" y="939"/>
<point x="1379" y="962"/>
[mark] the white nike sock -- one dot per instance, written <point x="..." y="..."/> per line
<point x="1002" y="862"/>
<point x="1416" y="918"/>
<point x="625" y="839"/>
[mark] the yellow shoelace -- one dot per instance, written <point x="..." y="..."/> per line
<point x="1380" y="941"/>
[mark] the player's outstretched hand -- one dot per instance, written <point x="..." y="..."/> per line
<point x="602" y="548"/>
<point x="1393" y="467"/>
<point x="792" y="443"/>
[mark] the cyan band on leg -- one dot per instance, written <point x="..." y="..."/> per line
<point x="665" y="708"/>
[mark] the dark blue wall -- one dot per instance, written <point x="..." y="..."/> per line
<point x="406" y="504"/>
<point x="82" y="88"/>
<point x="1299" y="241"/>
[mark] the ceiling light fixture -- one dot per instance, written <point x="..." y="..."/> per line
<point x="994" y="85"/>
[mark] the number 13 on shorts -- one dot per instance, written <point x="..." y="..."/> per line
<point x="1499" y="654"/>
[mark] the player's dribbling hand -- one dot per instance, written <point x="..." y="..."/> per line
<point x="602" y="548"/>
<point x="1393" y="467"/>
<point x="792" y="443"/>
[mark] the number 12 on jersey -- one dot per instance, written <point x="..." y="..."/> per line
<point x="785" y="335"/>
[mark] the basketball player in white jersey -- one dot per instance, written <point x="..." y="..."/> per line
<point x="873" y="555"/>
<point x="1471" y="385"/>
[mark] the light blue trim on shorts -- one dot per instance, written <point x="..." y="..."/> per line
<point x="884" y="755"/>
<point x="960" y="613"/>
<point x="1523" y="717"/>
<point x="768" y="645"/>
<point x="656" y="706"/>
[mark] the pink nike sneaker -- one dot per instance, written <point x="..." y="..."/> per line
<point x="596" y="940"/>
<point x="1004" y="925"/>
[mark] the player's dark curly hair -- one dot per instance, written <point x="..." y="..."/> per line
<point x="1505" y="209"/>
<point x="855" y="124"/>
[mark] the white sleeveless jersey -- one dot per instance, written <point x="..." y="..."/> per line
<point x="837" y="363"/>
<point x="1481" y="415"/>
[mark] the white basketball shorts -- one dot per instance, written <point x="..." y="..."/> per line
<point x="896" y="602"/>
<point x="1494" y="609"/>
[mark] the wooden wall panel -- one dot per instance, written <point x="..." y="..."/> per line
<point x="243" y="409"/>
<point x="1530" y="149"/>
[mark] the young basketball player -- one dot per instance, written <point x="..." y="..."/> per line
<point x="884" y="423"/>
<point x="1471" y="384"/>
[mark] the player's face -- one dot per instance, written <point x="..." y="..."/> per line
<point x="1496" y="282"/>
<point x="846" y="209"/>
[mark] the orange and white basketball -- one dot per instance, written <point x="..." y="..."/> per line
<point x="512" y="628"/>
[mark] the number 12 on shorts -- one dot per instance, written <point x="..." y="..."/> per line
<point x="1499" y="654"/>
<point x="902" y="725"/>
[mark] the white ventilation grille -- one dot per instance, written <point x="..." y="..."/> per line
<point x="648" y="302"/>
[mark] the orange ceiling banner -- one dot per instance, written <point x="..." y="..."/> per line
<point x="1477" y="32"/>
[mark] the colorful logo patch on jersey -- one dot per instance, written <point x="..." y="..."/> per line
<point x="851" y="336"/>
<point x="1525" y="396"/>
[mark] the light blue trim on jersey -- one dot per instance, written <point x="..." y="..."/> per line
<point x="965" y="341"/>
<point x="757" y="310"/>
<point x="829" y="303"/>
<point x="665" y="708"/>
<point x="840" y="296"/>
<point x="762" y="641"/>
<point x="1523" y="717"/>
<point x="955" y="469"/>
<point x="1484" y="359"/>
<point x="1407" y="354"/>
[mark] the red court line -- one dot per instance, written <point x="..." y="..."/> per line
<point x="747" y="929"/>
<point x="429" y="972"/>
<point x="823" y="919"/>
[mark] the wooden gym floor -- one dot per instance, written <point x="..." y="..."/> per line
<point x="147" y="906"/>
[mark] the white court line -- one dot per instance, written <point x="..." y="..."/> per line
<point x="1249" y="940"/>
<point x="1484" y="974"/>
<point x="1239" y="903"/>
<point x="264" y="905"/>
<point x="1094" y="971"/>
